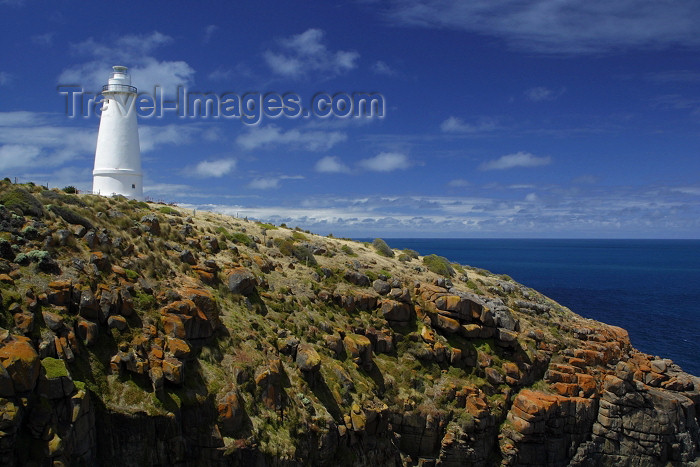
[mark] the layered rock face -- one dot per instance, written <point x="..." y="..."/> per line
<point x="131" y="334"/>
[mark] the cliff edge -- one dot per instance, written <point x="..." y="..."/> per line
<point x="143" y="334"/>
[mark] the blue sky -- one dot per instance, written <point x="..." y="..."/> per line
<point x="503" y="118"/>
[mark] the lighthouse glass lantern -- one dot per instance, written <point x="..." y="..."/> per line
<point x="118" y="155"/>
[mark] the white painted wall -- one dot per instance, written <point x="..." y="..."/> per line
<point x="118" y="155"/>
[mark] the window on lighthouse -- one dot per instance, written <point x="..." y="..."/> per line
<point x="133" y="185"/>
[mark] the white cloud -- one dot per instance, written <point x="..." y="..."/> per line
<point x="688" y="190"/>
<point x="541" y="93"/>
<point x="165" y="189"/>
<point x="267" y="183"/>
<point x="531" y="197"/>
<point x="151" y="137"/>
<point x="621" y="212"/>
<point x="209" y="32"/>
<point x="272" y="135"/>
<point x="264" y="183"/>
<point x="134" y="51"/>
<point x="573" y="26"/>
<point x="381" y="68"/>
<point x="32" y="139"/>
<point x="331" y="164"/>
<point x="457" y="125"/>
<point x="20" y="117"/>
<point x="304" y="53"/>
<point x="18" y="155"/>
<point x="239" y="70"/>
<point x="519" y="159"/>
<point x="386" y="162"/>
<point x="217" y="168"/>
<point x="458" y="183"/>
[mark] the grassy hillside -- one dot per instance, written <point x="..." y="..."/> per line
<point x="147" y="335"/>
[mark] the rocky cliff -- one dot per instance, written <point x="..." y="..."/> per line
<point x="142" y="334"/>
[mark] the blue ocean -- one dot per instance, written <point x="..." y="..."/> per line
<point x="649" y="287"/>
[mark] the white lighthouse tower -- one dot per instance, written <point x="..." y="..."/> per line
<point x="118" y="155"/>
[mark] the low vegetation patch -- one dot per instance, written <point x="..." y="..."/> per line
<point x="439" y="265"/>
<point x="382" y="248"/>
<point x="54" y="367"/>
<point x="169" y="210"/>
<point x="22" y="202"/>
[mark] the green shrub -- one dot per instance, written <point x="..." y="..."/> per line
<point x="240" y="237"/>
<point x="38" y="255"/>
<point x="347" y="250"/>
<point x="236" y="237"/>
<point x="382" y="248"/>
<point x="266" y="226"/>
<point x="131" y="274"/>
<point x="169" y="210"/>
<point x="304" y="254"/>
<point x="286" y="246"/>
<point x="21" y="258"/>
<point x="70" y="189"/>
<point x="472" y="285"/>
<point x="299" y="236"/>
<point x="300" y="252"/>
<point x="144" y="301"/>
<point x="70" y="216"/>
<point x="410" y="253"/>
<point x="439" y="265"/>
<point x="22" y="202"/>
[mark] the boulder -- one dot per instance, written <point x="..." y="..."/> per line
<point x="186" y="256"/>
<point x="54" y="321"/>
<point x="449" y="325"/>
<point x="504" y="319"/>
<point x="396" y="311"/>
<point x="356" y="278"/>
<point x="381" y="287"/>
<point x="268" y="379"/>
<point x="101" y="261"/>
<point x="307" y="358"/>
<point x="288" y="346"/>
<point x="178" y="347"/>
<point x="21" y="362"/>
<point x="88" y="307"/>
<point x="205" y="302"/>
<point x="24" y="322"/>
<point x="359" y="348"/>
<point x="117" y="322"/>
<point x="87" y="331"/>
<point x="231" y="412"/>
<point x="241" y="281"/>
<point x="173" y="370"/>
<point x="172" y="325"/>
<point x="151" y="224"/>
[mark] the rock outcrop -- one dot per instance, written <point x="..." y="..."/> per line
<point x="133" y="334"/>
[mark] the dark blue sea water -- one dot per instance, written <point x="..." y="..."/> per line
<point x="649" y="287"/>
